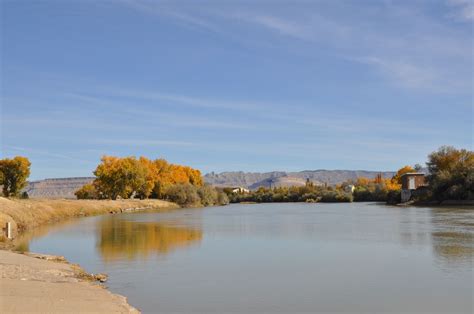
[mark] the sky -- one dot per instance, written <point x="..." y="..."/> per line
<point x="235" y="85"/>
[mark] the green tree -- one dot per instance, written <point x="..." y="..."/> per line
<point x="14" y="173"/>
<point x="451" y="173"/>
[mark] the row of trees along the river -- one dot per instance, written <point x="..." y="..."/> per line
<point x="142" y="178"/>
<point x="450" y="177"/>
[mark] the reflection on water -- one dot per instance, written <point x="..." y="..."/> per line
<point x="119" y="238"/>
<point x="453" y="235"/>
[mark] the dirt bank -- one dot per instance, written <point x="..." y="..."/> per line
<point x="37" y="285"/>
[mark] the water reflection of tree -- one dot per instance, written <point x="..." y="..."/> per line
<point x="453" y="235"/>
<point x="119" y="239"/>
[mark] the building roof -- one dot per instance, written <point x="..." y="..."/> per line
<point x="413" y="174"/>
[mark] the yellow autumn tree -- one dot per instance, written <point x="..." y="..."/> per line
<point x="361" y="181"/>
<point x="14" y="173"/>
<point x="121" y="177"/>
<point x="131" y="177"/>
<point x="397" y="178"/>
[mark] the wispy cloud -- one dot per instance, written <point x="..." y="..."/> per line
<point x="161" y="9"/>
<point x="141" y="142"/>
<point x="407" y="74"/>
<point x="422" y="58"/>
<point x="464" y="9"/>
<point x="281" y="26"/>
<point x="32" y="152"/>
<point x="186" y="99"/>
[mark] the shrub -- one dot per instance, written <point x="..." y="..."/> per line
<point x="183" y="194"/>
<point x="222" y="198"/>
<point x="88" y="191"/>
<point x="208" y="195"/>
<point x="394" y="197"/>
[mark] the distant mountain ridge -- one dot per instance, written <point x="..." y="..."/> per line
<point x="254" y="180"/>
<point x="56" y="188"/>
<point x="66" y="187"/>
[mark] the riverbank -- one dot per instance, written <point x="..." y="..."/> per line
<point x="38" y="283"/>
<point x="45" y="284"/>
<point x="29" y="214"/>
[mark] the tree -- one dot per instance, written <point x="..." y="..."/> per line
<point x="397" y="178"/>
<point x="14" y="173"/>
<point x="451" y="173"/>
<point x="131" y="177"/>
<point x="121" y="177"/>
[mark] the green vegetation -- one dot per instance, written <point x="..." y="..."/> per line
<point x="451" y="174"/>
<point x="13" y="175"/>
<point x="307" y="193"/>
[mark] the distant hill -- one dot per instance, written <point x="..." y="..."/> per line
<point x="254" y="180"/>
<point x="65" y="187"/>
<point x="56" y="188"/>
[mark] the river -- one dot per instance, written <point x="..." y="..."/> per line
<point x="285" y="258"/>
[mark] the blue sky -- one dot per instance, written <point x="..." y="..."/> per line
<point x="235" y="85"/>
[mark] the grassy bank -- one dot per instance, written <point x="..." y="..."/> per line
<point x="28" y="214"/>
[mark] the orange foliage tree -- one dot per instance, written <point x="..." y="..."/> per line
<point x="131" y="177"/>
<point x="397" y="178"/>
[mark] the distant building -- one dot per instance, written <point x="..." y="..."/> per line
<point x="240" y="190"/>
<point x="349" y="188"/>
<point x="410" y="182"/>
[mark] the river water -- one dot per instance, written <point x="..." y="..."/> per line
<point x="278" y="258"/>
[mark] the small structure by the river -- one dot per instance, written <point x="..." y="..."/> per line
<point x="410" y="182"/>
<point x="240" y="190"/>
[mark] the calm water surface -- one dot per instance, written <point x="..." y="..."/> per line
<point x="287" y="258"/>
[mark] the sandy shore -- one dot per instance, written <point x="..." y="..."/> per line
<point x="36" y="285"/>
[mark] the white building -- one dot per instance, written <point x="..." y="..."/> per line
<point x="240" y="190"/>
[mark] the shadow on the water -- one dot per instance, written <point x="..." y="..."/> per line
<point x="122" y="239"/>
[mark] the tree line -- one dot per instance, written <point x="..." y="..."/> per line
<point x="450" y="177"/>
<point x="131" y="177"/>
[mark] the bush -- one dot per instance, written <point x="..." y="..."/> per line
<point x="183" y="194"/>
<point x="336" y="196"/>
<point x="208" y="195"/>
<point x="308" y="193"/>
<point x="88" y="191"/>
<point x="394" y="197"/>
<point x="222" y="198"/>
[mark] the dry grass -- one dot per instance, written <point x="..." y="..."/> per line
<point x="29" y="214"/>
